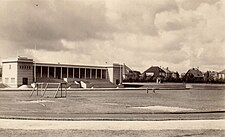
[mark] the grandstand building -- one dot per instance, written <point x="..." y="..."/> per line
<point x="24" y="71"/>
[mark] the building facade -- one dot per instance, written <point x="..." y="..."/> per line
<point x="24" y="71"/>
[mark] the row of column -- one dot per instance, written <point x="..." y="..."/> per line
<point x="102" y="76"/>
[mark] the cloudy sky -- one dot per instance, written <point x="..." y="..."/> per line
<point x="179" y="34"/>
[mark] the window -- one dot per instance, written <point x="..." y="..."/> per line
<point x="12" y="80"/>
<point x="150" y="74"/>
<point x="25" y="67"/>
<point x="10" y="66"/>
<point x="6" y="80"/>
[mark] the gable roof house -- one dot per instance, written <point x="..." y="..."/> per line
<point x="156" y="73"/>
<point x="194" y="75"/>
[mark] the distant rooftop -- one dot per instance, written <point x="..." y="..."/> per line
<point x="223" y="71"/>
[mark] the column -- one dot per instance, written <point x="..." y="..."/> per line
<point x="101" y="73"/>
<point x="61" y="73"/>
<point x="106" y="74"/>
<point x="85" y="73"/>
<point x="54" y="72"/>
<point x="73" y="72"/>
<point x="90" y="73"/>
<point x="48" y="72"/>
<point x="79" y="72"/>
<point x="41" y="71"/>
<point x="35" y="73"/>
<point x="67" y="73"/>
<point x="96" y="73"/>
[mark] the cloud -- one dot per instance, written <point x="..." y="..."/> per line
<point x="194" y="4"/>
<point x="46" y="24"/>
<point x="179" y="34"/>
<point x="133" y="16"/>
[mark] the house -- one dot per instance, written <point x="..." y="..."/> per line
<point x="168" y="72"/>
<point x="132" y="76"/>
<point x="221" y="75"/>
<point x="126" y="71"/>
<point x="156" y="73"/>
<point x="211" y="76"/>
<point x="175" y="75"/>
<point x="194" y="75"/>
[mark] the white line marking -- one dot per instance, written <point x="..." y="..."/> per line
<point x="113" y="125"/>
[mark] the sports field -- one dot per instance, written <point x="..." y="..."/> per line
<point x="115" y="105"/>
<point x="118" y="105"/>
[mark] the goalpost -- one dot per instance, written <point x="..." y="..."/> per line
<point x="44" y="86"/>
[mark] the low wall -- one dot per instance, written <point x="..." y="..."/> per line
<point x="157" y="85"/>
<point x="206" y="86"/>
<point x="177" y="86"/>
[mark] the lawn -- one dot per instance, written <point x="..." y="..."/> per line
<point x="86" y="103"/>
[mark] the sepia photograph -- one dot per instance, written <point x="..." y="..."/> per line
<point x="112" y="68"/>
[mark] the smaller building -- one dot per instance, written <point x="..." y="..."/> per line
<point x="17" y="71"/>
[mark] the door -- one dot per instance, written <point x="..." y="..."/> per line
<point x="25" y="81"/>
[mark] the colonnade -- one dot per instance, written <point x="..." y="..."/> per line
<point x="70" y="72"/>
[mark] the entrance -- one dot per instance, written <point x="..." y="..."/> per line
<point x="25" y="81"/>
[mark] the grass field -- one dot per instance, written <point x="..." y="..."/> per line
<point x="117" y="105"/>
<point x="86" y="103"/>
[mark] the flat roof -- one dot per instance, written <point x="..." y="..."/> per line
<point x="17" y="59"/>
<point x="27" y="60"/>
<point x="70" y="65"/>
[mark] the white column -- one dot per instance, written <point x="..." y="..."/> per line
<point x="35" y="73"/>
<point x="67" y="74"/>
<point x="120" y="73"/>
<point x="54" y="72"/>
<point x="106" y="74"/>
<point x="41" y="71"/>
<point x="85" y="73"/>
<point x="96" y="73"/>
<point x="101" y="73"/>
<point x="61" y="73"/>
<point x="79" y="72"/>
<point x="73" y="72"/>
<point x="90" y="73"/>
<point x="48" y="72"/>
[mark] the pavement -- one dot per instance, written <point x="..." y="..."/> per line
<point x="113" y="125"/>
